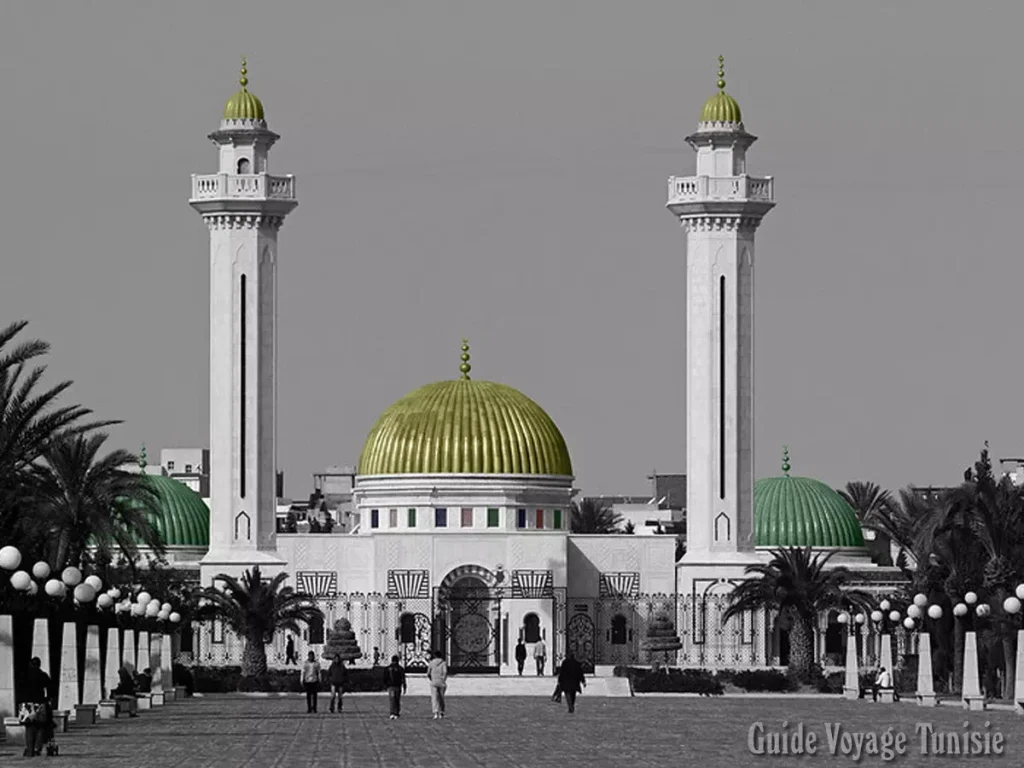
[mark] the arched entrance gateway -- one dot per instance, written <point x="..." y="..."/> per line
<point x="467" y="619"/>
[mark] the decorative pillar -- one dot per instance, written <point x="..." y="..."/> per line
<point x="68" y="694"/>
<point x="142" y="654"/>
<point x="972" y="696"/>
<point x="92" y="682"/>
<point x="6" y="668"/>
<point x="1018" y="684"/>
<point x="925" y="682"/>
<point x="129" y="653"/>
<point x="851" y="687"/>
<point x="41" y="645"/>
<point x="156" y="670"/>
<point x="167" y="665"/>
<point x="112" y="663"/>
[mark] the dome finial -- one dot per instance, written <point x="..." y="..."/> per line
<point x="143" y="462"/>
<point x="243" y="80"/>
<point x="465" y="367"/>
<point x="785" y="460"/>
<point x="721" y="73"/>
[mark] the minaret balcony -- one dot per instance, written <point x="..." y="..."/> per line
<point x="242" y="186"/>
<point x="699" y="189"/>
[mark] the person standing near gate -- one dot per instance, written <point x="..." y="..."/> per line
<point x="437" y="674"/>
<point x="571" y="680"/>
<point x="338" y="675"/>
<point x="540" y="655"/>
<point x="289" y="652"/>
<point x="520" y="655"/>
<point x="394" y="681"/>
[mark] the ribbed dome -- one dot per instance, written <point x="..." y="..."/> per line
<point x="721" y="108"/>
<point x="465" y="427"/>
<point x="243" y="105"/>
<point x="184" y="519"/>
<point x="799" y="512"/>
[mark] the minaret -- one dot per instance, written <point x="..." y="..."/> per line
<point x="244" y="207"/>
<point x="720" y="208"/>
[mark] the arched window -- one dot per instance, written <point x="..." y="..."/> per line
<point x="407" y="628"/>
<point x="531" y="628"/>
<point x="619" y="629"/>
<point x="244" y="165"/>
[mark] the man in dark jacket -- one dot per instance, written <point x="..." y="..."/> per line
<point x="521" y="656"/>
<point x="144" y="681"/>
<point x="394" y="681"/>
<point x="337" y="673"/>
<point x="571" y="680"/>
<point x="39" y="730"/>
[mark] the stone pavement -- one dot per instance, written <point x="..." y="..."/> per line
<point x="242" y="732"/>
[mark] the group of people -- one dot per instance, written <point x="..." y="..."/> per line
<point x="540" y="656"/>
<point x="571" y="681"/>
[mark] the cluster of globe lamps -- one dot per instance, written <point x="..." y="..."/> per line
<point x="84" y="590"/>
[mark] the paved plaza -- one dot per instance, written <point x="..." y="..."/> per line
<point x="240" y="732"/>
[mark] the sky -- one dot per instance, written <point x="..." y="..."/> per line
<point x="498" y="171"/>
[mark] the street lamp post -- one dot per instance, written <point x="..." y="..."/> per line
<point x="1013" y="606"/>
<point x="914" y="622"/>
<point x="851" y="685"/>
<point x="971" y="694"/>
<point x="884" y="617"/>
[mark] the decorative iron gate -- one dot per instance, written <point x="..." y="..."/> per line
<point x="579" y="639"/>
<point x="467" y="625"/>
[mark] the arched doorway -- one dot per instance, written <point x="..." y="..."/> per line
<point x="469" y="611"/>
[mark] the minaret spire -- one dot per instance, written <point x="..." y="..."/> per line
<point x="244" y="79"/>
<point x="785" y="460"/>
<point x="465" y="367"/>
<point x="721" y="73"/>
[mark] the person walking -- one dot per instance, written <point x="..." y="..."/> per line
<point x="337" y="673"/>
<point x="311" y="682"/>
<point x="394" y="681"/>
<point x="540" y="655"/>
<point x="437" y="674"/>
<point x="571" y="680"/>
<point x="38" y="714"/>
<point x="289" y="652"/>
<point x="520" y="656"/>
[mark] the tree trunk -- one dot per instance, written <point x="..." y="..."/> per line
<point x="801" y="648"/>
<point x="959" y="637"/>
<point x="254" y="657"/>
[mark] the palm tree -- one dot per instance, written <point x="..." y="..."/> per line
<point x="593" y="516"/>
<point x="866" y="498"/>
<point x="256" y="610"/>
<point x="796" y="585"/>
<point x="988" y="515"/>
<point x="29" y="420"/>
<point x="89" y="506"/>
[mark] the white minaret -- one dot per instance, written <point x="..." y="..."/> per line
<point x="244" y="207"/>
<point x="720" y="208"/>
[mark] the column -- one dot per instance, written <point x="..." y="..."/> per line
<point x="128" y="650"/>
<point x="92" y="682"/>
<point x="167" y="665"/>
<point x="6" y="668"/>
<point x="68" y="695"/>
<point x="925" y="682"/>
<point x="112" y="663"/>
<point x="971" y="695"/>
<point x="142" y="654"/>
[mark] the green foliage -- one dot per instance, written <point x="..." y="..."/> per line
<point x="672" y="681"/>
<point x="231" y="680"/>
<point x="772" y="680"/>
<point x="593" y="516"/>
<point x="341" y="643"/>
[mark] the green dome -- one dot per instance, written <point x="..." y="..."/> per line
<point x="799" y="512"/>
<point x="184" y="519"/>
<point x="721" y="108"/>
<point x="243" y="105"/>
<point x="465" y="427"/>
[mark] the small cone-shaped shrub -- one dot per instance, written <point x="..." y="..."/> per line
<point x="661" y="636"/>
<point x="342" y="642"/>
